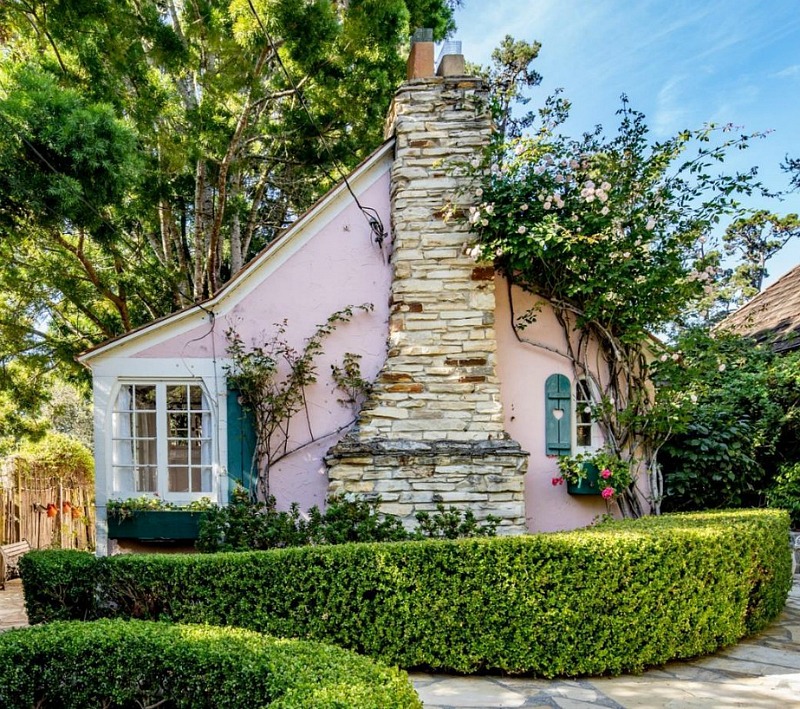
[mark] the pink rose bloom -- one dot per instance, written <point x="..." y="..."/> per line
<point x="606" y="474"/>
<point x="608" y="492"/>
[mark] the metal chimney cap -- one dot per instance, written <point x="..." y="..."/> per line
<point x="448" y="48"/>
<point x="422" y="34"/>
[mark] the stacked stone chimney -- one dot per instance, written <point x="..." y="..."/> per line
<point x="432" y="430"/>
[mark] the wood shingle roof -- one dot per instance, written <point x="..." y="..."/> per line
<point x="773" y="316"/>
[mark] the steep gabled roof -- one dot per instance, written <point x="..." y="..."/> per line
<point x="272" y="256"/>
<point x="773" y="316"/>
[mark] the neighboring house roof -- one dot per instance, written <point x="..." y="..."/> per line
<point x="270" y="257"/>
<point x="773" y="316"/>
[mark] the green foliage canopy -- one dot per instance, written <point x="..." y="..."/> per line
<point x="734" y="411"/>
<point x="149" y="149"/>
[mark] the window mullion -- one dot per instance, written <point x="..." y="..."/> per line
<point x="161" y="438"/>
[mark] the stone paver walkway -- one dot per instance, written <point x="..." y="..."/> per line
<point x="763" y="671"/>
<point x="12" y="606"/>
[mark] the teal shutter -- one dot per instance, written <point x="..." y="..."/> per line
<point x="241" y="444"/>
<point x="558" y="415"/>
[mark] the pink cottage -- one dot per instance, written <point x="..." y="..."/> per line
<point x="462" y="412"/>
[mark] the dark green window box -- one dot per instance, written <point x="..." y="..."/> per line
<point x="589" y="484"/>
<point x="155" y="524"/>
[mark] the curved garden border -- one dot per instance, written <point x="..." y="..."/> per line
<point x="115" y="663"/>
<point x="614" y="598"/>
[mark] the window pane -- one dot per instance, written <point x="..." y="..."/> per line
<point x="145" y="451"/>
<point x="145" y="479"/>
<point x="178" y="426"/>
<point x="123" y="478"/>
<point x="178" y="452"/>
<point x="583" y="435"/>
<point x="137" y="443"/>
<point x="122" y="452"/>
<point x="179" y="480"/>
<point x="201" y="425"/>
<point x="124" y="398"/>
<point x="145" y="398"/>
<point x="201" y="479"/>
<point x="144" y="425"/>
<point x="176" y="398"/>
<point x="196" y="398"/>
<point x="582" y="390"/>
<point x="197" y="453"/>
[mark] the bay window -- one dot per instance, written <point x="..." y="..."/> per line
<point x="161" y="440"/>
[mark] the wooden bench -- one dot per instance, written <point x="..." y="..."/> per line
<point x="9" y="559"/>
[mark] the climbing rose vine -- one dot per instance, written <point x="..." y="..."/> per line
<point x="615" y="232"/>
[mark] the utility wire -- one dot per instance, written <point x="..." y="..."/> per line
<point x="376" y="226"/>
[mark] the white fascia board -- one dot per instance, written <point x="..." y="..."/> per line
<point x="167" y="368"/>
<point x="272" y="258"/>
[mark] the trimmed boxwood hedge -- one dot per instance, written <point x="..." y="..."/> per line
<point x="618" y="597"/>
<point x="119" y="663"/>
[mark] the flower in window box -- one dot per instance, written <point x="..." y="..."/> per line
<point x="608" y="471"/>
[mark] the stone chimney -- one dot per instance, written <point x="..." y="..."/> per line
<point x="432" y="430"/>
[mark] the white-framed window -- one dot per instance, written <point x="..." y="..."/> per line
<point x="162" y="440"/>
<point x="585" y="429"/>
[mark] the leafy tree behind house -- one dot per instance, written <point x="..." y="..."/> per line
<point x="149" y="149"/>
<point x="739" y="406"/>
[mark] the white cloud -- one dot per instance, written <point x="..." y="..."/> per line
<point x="671" y="112"/>
<point x="789" y="72"/>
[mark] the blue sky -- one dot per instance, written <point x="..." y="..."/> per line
<point x="682" y="62"/>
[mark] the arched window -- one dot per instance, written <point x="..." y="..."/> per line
<point x="584" y="424"/>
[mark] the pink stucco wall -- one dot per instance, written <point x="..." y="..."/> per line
<point x="523" y="370"/>
<point x="338" y="267"/>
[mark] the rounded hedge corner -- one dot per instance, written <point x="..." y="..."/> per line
<point x="119" y="663"/>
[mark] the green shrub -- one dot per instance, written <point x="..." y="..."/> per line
<point x="785" y="493"/>
<point x="60" y="456"/>
<point x="734" y="422"/>
<point x="244" y="525"/>
<point x="619" y="597"/>
<point x="117" y="663"/>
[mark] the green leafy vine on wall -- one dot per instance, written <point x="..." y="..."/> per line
<point x="272" y="378"/>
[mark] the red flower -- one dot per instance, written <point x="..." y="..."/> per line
<point x="606" y="474"/>
<point x="608" y="492"/>
<point x="557" y="481"/>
